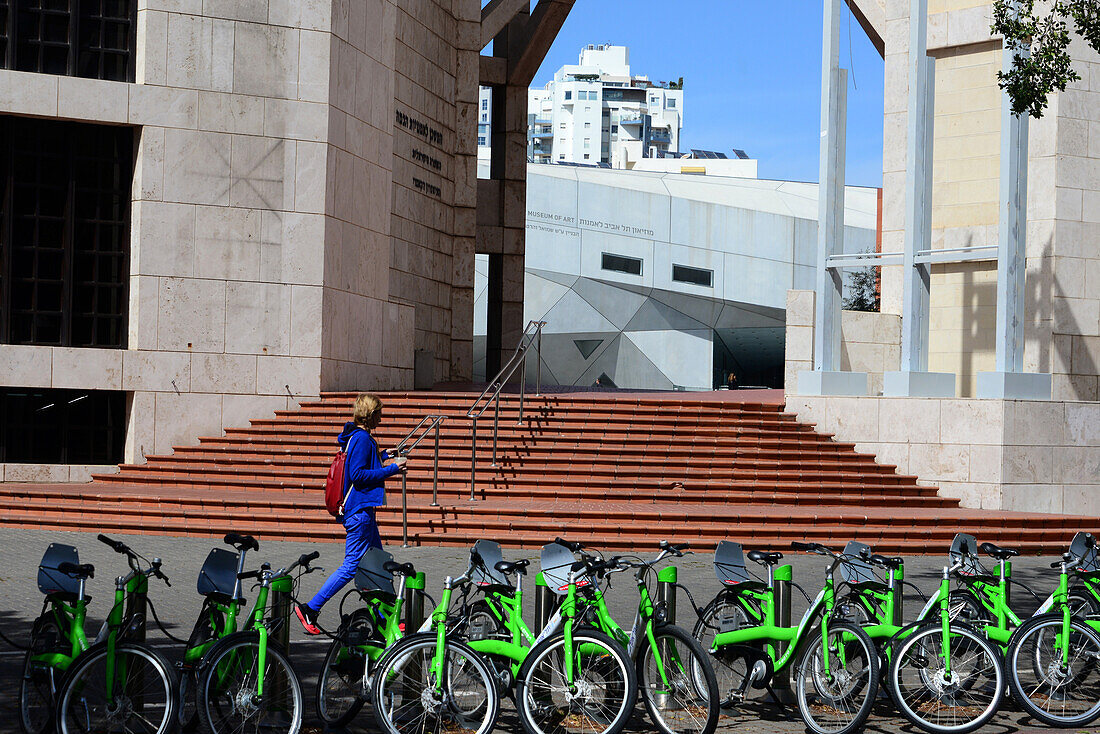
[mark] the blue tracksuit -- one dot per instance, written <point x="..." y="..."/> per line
<point x="364" y="490"/>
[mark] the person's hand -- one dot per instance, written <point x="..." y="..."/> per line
<point x="401" y="461"/>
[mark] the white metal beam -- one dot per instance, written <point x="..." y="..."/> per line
<point x="830" y="222"/>
<point x="918" y="199"/>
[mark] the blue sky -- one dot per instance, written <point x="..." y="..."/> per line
<point x="752" y="75"/>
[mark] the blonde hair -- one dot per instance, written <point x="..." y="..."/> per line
<point x="366" y="407"/>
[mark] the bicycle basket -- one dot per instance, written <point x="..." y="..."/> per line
<point x="219" y="573"/>
<point x="1080" y="548"/>
<point x="52" y="581"/>
<point x="487" y="574"/>
<point x="557" y="560"/>
<point x="371" y="576"/>
<point x="854" y="569"/>
<point x="964" y="549"/>
<point x="729" y="563"/>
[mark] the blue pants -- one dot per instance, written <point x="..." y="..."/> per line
<point x="362" y="536"/>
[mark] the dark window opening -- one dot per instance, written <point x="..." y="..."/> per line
<point x="85" y="38"/>
<point x="695" y="276"/>
<point x="64" y="232"/>
<point x="621" y="264"/>
<point x="587" y="346"/>
<point x="44" y="426"/>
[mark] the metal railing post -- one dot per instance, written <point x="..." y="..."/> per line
<point x="496" y="427"/>
<point x="404" y="510"/>
<point x="522" y="386"/>
<point x="435" y="466"/>
<point x="538" y="361"/>
<point x="473" y="456"/>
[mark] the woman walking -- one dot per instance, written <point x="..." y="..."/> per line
<point x="365" y="471"/>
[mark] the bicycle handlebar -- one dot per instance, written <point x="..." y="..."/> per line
<point x="117" y="545"/>
<point x="575" y="547"/>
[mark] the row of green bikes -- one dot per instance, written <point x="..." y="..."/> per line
<point x="476" y="661"/>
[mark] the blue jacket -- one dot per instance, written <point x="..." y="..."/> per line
<point x="364" y="474"/>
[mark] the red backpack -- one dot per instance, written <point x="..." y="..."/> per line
<point x="334" y="484"/>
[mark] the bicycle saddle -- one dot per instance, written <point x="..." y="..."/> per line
<point x="767" y="558"/>
<point x="241" y="542"/>
<point x="519" y="566"/>
<point x="997" y="552"/>
<point x="405" y="569"/>
<point x="77" y="571"/>
<point x="891" y="562"/>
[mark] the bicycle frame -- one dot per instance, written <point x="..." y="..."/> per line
<point x="507" y="609"/>
<point x="769" y="631"/>
<point x="71" y="620"/>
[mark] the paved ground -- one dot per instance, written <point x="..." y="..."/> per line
<point x="179" y="605"/>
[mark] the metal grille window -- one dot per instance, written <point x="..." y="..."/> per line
<point x="44" y="426"/>
<point x="87" y="38"/>
<point x="64" y="232"/>
<point x="695" y="276"/>
<point x="621" y="264"/>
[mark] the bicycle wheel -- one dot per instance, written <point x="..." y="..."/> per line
<point x="936" y="701"/>
<point x="598" y="701"/>
<point x="38" y="686"/>
<point x="1056" y="693"/>
<point x="228" y="685"/>
<point x="344" y="682"/>
<point x="1082" y="603"/>
<point x="408" y="697"/>
<point x="837" y="698"/>
<point x="685" y="699"/>
<point x="132" y="690"/>
<point x="963" y="608"/>
<point x="724" y="614"/>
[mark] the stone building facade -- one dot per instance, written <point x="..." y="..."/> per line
<point x="301" y="214"/>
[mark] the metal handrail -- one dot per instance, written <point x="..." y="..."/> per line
<point x="532" y="334"/>
<point x="428" y="424"/>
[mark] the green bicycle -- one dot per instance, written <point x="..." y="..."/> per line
<point x="364" y="635"/>
<point x="835" y="662"/>
<point x="246" y="681"/>
<point x="675" y="678"/>
<point x="118" y="684"/>
<point x="567" y="679"/>
<point x="946" y="675"/>
<point x="57" y="635"/>
<point x="1053" y="659"/>
<point x="218" y="618"/>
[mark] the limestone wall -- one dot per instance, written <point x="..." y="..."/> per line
<point x="1032" y="456"/>
<point x="293" y="227"/>
<point x="870" y="342"/>
<point x="1063" y="312"/>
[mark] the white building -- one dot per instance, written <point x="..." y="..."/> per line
<point x="596" y="112"/>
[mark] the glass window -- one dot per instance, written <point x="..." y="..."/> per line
<point x="587" y="156"/>
<point x="588" y="124"/>
<point x="568" y="94"/>
<point x="671" y="104"/>
<point x="562" y="126"/>
<point x="561" y="156"/>
<point x="695" y="276"/>
<point x="64" y="232"/>
<point x="484" y="104"/>
<point x="88" y="38"/>
<point x="588" y="142"/>
<point x="614" y="129"/>
<point x="50" y="426"/>
<point x="481" y="140"/>
<point x="621" y="264"/>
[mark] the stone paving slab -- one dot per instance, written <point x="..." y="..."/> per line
<point x="179" y="605"/>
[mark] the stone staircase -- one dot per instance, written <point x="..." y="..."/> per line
<point x="616" y="470"/>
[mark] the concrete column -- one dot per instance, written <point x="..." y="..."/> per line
<point x="1009" y="380"/>
<point x="914" y="379"/>
<point x="826" y="377"/>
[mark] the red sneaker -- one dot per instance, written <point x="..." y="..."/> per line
<point x="308" y="618"/>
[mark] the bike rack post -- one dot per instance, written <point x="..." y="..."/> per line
<point x="666" y="592"/>
<point x="414" y="603"/>
<point x="899" y="593"/>
<point x="544" y="603"/>
<point x="783" y="576"/>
